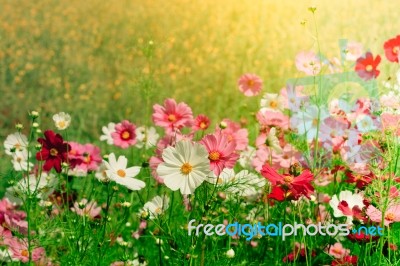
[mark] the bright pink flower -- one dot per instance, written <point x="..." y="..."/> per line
<point x="124" y="135"/>
<point x="16" y="224"/>
<point x="338" y="251"/>
<point x="19" y="250"/>
<point x="250" y="84"/>
<point x="236" y="134"/>
<point x="202" y="122"/>
<point x="392" y="214"/>
<point x="221" y="152"/>
<point x="172" y="116"/>
<point x="85" y="208"/>
<point x="308" y="63"/>
<point x="345" y="261"/>
<point x="85" y="157"/>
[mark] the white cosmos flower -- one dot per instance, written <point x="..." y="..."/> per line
<point x="272" y="141"/>
<point x="20" y="161"/>
<point x="41" y="186"/>
<point x="346" y="201"/>
<point x="155" y="207"/>
<point x="117" y="171"/>
<point x="272" y="102"/>
<point x="107" y="131"/>
<point x="146" y="137"/>
<point x="246" y="157"/>
<point x="185" y="166"/>
<point x="62" y="120"/>
<point x="307" y="121"/>
<point x="16" y="141"/>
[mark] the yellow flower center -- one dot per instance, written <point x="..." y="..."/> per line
<point x="171" y="118"/>
<point x="250" y="83"/>
<point x="53" y="152"/>
<point x="86" y="159"/>
<point x="17" y="146"/>
<point x="61" y="124"/>
<point x="390" y="216"/>
<point x="315" y="122"/>
<point x="214" y="156"/>
<point x="121" y="173"/>
<point x="368" y="68"/>
<point x="273" y="104"/>
<point x="186" y="168"/>
<point x="158" y="210"/>
<point x="288" y="179"/>
<point x="395" y="50"/>
<point x="203" y="125"/>
<point x="125" y="135"/>
<point x="25" y="253"/>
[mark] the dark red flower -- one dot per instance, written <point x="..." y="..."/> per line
<point x="346" y="260"/>
<point x="360" y="180"/>
<point x="54" y="151"/>
<point x="362" y="237"/>
<point x="366" y="67"/>
<point x="392" y="49"/>
<point x="288" y="186"/>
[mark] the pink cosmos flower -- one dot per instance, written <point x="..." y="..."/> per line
<point x="85" y="208"/>
<point x="294" y="97"/>
<point x="202" y="122"/>
<point x="124" y="135"/>
<point x="153" y="163"/>
<point x="4" y="235"/>
<point x="392" y="214"/>
<point x="250" y="84"/>
<point x="236" y="134"/>
<point x="172" y="116"/>
<point x="308" y="63"/>
<point x="272" y="119"/>
<point x="391" y="122"/>
<point x="264" y="155"/>
<point x="19" y="250"/>
<point x="221" y="152"/>
<point x="353" y="51"/>
<point x="338" y="251"/>
<point x="288" y="157"/>
<point x="85" y="157"/>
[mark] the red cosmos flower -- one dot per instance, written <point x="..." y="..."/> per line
<point x="201" y="122"/>
<point x="288" y="186"/>
<point x="392" y="48"/>
<point x="366" y="67"/>
<point x="346" y="260"/>
<point x="362" y="237"/>
<point x="54" y="151"/>
<point x="360" y="180"/>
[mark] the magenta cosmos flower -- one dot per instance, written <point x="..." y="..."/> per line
<point x="124" y="135"/>
<point x="172" y="116"/>
<point x="250" y="84"/>
<point x="221" y="152"/>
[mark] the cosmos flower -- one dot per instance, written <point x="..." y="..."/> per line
<point x="20" y="161"/>
<point x="155" y="207"/>
<point x="353" y="51"/>
<point x="147" y="137"/>
<point x="392" y="48"/>
<point x="272" y="102"/>
<point x="338" y="251"/>
<point x="62" y="120"/>
<point x="201" y="122"/>
<point x="172" y="116"/>
<point x="185" y="166"/>
<point x="347" y="205"/>
<point x="19" y="250"/>
<point x="107" y="133"/>
<point x="15" y="142"/>
<point x="392" y="214"/>
<point x="288" y="186"/>
<point x="118" y="172"/>
<point x="308" y="63"/>
<point x="235" y="133"/>
<point x="54" y="151"/>
<point x="124" y="135"/>
<point x="250" y="84"/>
<point x="307" y="121"/>
<point x="85" y="208"/>
<point x="221" y="152"/>
<point x="366" y="66"/>
<point x="84" y="157"/>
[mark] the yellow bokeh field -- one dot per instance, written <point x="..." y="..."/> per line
<point x="106" y="61"/>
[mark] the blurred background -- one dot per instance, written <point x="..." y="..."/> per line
<point x="105" y="61"/>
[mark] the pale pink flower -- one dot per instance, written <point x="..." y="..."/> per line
<point x="353" y="51"/>
<point x="391" y="122"/>
<point x="390" y="100"/>
<point x="85" y="208"/>
<point x="332" y="127"/>
<point x="153" y="163"/>
<point x="19" y="250"/>
<point x="392" y="214"/>
<point x="272" y="119"/>
<point x="124" y="135"/>
<point x="338" y="251"/>
<point x="4" y="235"/>
<point x="293" y="97"/>
<point x="237" y="134"/>
<point x="264" y="155"/>
<point x="250" y="84"/>
<point x="287" y="157"/>
<point x="308" y="63"/>
<point x="221" y="152"/>
<point x="16" y="224"/>
<point x="172" y="116"/>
